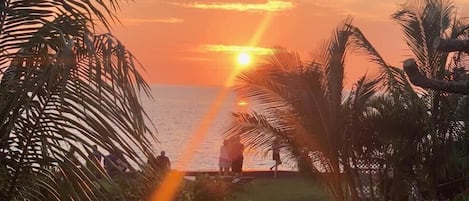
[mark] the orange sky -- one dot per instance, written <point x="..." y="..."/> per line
<point x="179" y="41"/>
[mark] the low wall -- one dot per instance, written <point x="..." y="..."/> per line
<point x="256" y="174"/>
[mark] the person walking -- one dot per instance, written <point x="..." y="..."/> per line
<point x="276" y="155"/>
<point x="224" y="161"/>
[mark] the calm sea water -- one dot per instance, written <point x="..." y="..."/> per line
<point x="178" y="110"/>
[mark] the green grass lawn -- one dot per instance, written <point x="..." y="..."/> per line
<point x="283" y="189"/>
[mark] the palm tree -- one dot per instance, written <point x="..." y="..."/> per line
<point x="65" y="88"/>
<point x="306" y="106"/>
<point x="423" y="23"/>
<point x="403" y="132"/>
<point x="431" y="35"/>
<point x="415" y="149"/>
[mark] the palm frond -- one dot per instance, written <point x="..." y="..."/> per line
<point x="422" y="24"/>
<point x="413" y="32"/>
<point x="22" y="19"/>
<point x="258" y="132"/>
<point x="334" y="56"/>
<point x="73" y="100"/>
<point x="64" y="89"/>
<point x="364" y="89"/>
<point x="268" y="84"/>
<point x="392" y="77"/>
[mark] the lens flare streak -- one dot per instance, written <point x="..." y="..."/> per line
<point x="167" y="189"/>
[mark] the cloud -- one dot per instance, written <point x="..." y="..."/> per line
<point x="271" y="6"/>
<point x="133" y="21"/>
<point x="236" y="49"/>
<point x="377" y="11"/>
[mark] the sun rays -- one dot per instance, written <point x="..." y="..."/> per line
<point x="169" y="186"/>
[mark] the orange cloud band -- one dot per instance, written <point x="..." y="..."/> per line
<point x="271" y="6"/>
<point x="153" y="20"/>
<point x="237" y="49"/>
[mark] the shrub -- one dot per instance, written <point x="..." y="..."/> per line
<point x="206" y="188"/>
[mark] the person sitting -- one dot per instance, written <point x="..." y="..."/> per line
<point x="94" y="162"/>
<point x="114" y="163"/>
<point x="72" y="157"/>
<point x="95" y="155"/>
<point x="152" y="162"/>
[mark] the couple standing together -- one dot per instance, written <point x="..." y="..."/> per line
<point x="231" y="156"/>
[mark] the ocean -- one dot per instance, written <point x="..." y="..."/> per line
<point x="177" y="112"/>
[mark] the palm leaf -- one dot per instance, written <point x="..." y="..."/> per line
<point x="268" y="84"/>
<point x="422" y="24"/>
<point x="334" y="57"/>
<point x="65" y="89"/>
<point x="393" y="78"/>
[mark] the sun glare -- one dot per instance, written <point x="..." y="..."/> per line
<point x="242" y="103"/>
<point x="244" y="59"/>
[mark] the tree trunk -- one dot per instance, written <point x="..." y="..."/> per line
<point x="418" y="79"/>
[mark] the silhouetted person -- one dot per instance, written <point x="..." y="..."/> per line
<point x="224" y="160"/>
<point x="94" y="163"/>
<point x="95" y="155"/>
<point x="276" y="155"/>
<point x="163" y="162"/>
<point x="114" y="163"/>
<point x="236" y="155"/>
<point x="71" y="156"/>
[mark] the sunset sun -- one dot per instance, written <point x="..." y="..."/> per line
<point x="244" y="59"/>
